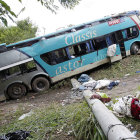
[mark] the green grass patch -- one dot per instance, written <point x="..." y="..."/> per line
<point x="118" y="69"/>
<point x="75" y="120"/>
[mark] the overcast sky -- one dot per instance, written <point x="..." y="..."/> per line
<point x="86" y="11"/>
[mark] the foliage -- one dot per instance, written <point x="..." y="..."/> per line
<point x="24" y="30"/>
<point x="5" y="10"/>
<point x="56" y="121"/>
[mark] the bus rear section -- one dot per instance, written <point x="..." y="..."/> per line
<point x="20" y="74"/>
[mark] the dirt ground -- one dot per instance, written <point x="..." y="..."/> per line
<point x="128" y="85"/>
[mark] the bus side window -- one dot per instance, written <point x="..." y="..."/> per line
<point x="28" y="67"/>
<point x="83" y="48"/>
<point x="100" y="43"/>
<point x="2" y="75"/>
<point x="132" y="32"/>
<point x="124" y="33"/>
<point x="111" y="39"/>
<point x="31" y="65"/>
<point x="91" y="46"/>
<point x="61" y="56"/>
<point x="13" y="71"/>
<point x="72" y="52"/>
<point x="78" y="50"/>
<point x="55" y="57"/>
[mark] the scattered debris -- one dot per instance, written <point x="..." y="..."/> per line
<point x="137" y="71"/>
<point x="87" y="83"/>
<point x="25" y="115"/>
<point x="134" y="133"/>
<point x="137" y="94"/>
<point x="83" y="78"/>
<point x="101" y="96"/>
<point x="112" y="84"/>
<point x="127" y="105"/>
<point x="111" y="50"/>
<point x="102" y="84"/>
<point x="126" y="75"/>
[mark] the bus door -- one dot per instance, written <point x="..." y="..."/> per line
<point x="120" y="40"/>
<point x="111" y="40"/>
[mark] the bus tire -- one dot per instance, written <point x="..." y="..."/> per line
<point x="134" y="49"/>
<point x="16" y="90"/>
<point x="40" y="84"/>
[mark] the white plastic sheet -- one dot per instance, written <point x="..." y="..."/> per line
<point x="111" y="50"/>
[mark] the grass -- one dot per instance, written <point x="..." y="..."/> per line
<point x="73" y="121"/>
<point x="55" y="121"/>
<point x="118" y="69"/>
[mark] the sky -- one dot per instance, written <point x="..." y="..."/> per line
<point x="87" y="10"/>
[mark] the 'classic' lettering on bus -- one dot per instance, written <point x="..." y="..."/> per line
<point x="75" y="39"/>
<point x="68" y="67"/>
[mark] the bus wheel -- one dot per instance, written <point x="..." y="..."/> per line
<point x="16" y="91"/>
<point x="134" y="49"/>
<point x="40" y="84"/>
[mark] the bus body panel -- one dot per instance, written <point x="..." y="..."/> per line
<point x="72" y="66"/>
<point x="58" y="42"/>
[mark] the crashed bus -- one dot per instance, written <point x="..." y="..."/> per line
<point x="17" y="71"/>
<point x="75" y="50"/>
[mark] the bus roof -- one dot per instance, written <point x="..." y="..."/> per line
<point x="31" y="41"/>
<point x="12" y="58"/>
<point x="77" y="37"/>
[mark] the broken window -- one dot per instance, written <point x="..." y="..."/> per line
<point x="111" y="39"/>
<point x="78" y="50"/>
<point x="55" y="57"/>
<point x="100" y="43"/>
<point x="130" y="32"/>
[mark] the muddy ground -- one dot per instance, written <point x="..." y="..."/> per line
<point x="128" y="85"/>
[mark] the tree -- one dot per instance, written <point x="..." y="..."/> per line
<point x="5" y="10"/>
<point x="23" y="30"/>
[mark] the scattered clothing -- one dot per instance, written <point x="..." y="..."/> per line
<point x="101" y="96"/>
<point x="128" y="106"/>
<point x="18" y="135"/>
<point x="83" y="78"/>
<point x="123" y="106"/>
<point x="102" y="84"/>
<point x="135" y="108"/>
<point x="89" y="84"/>
<point x="112" y="84"/>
